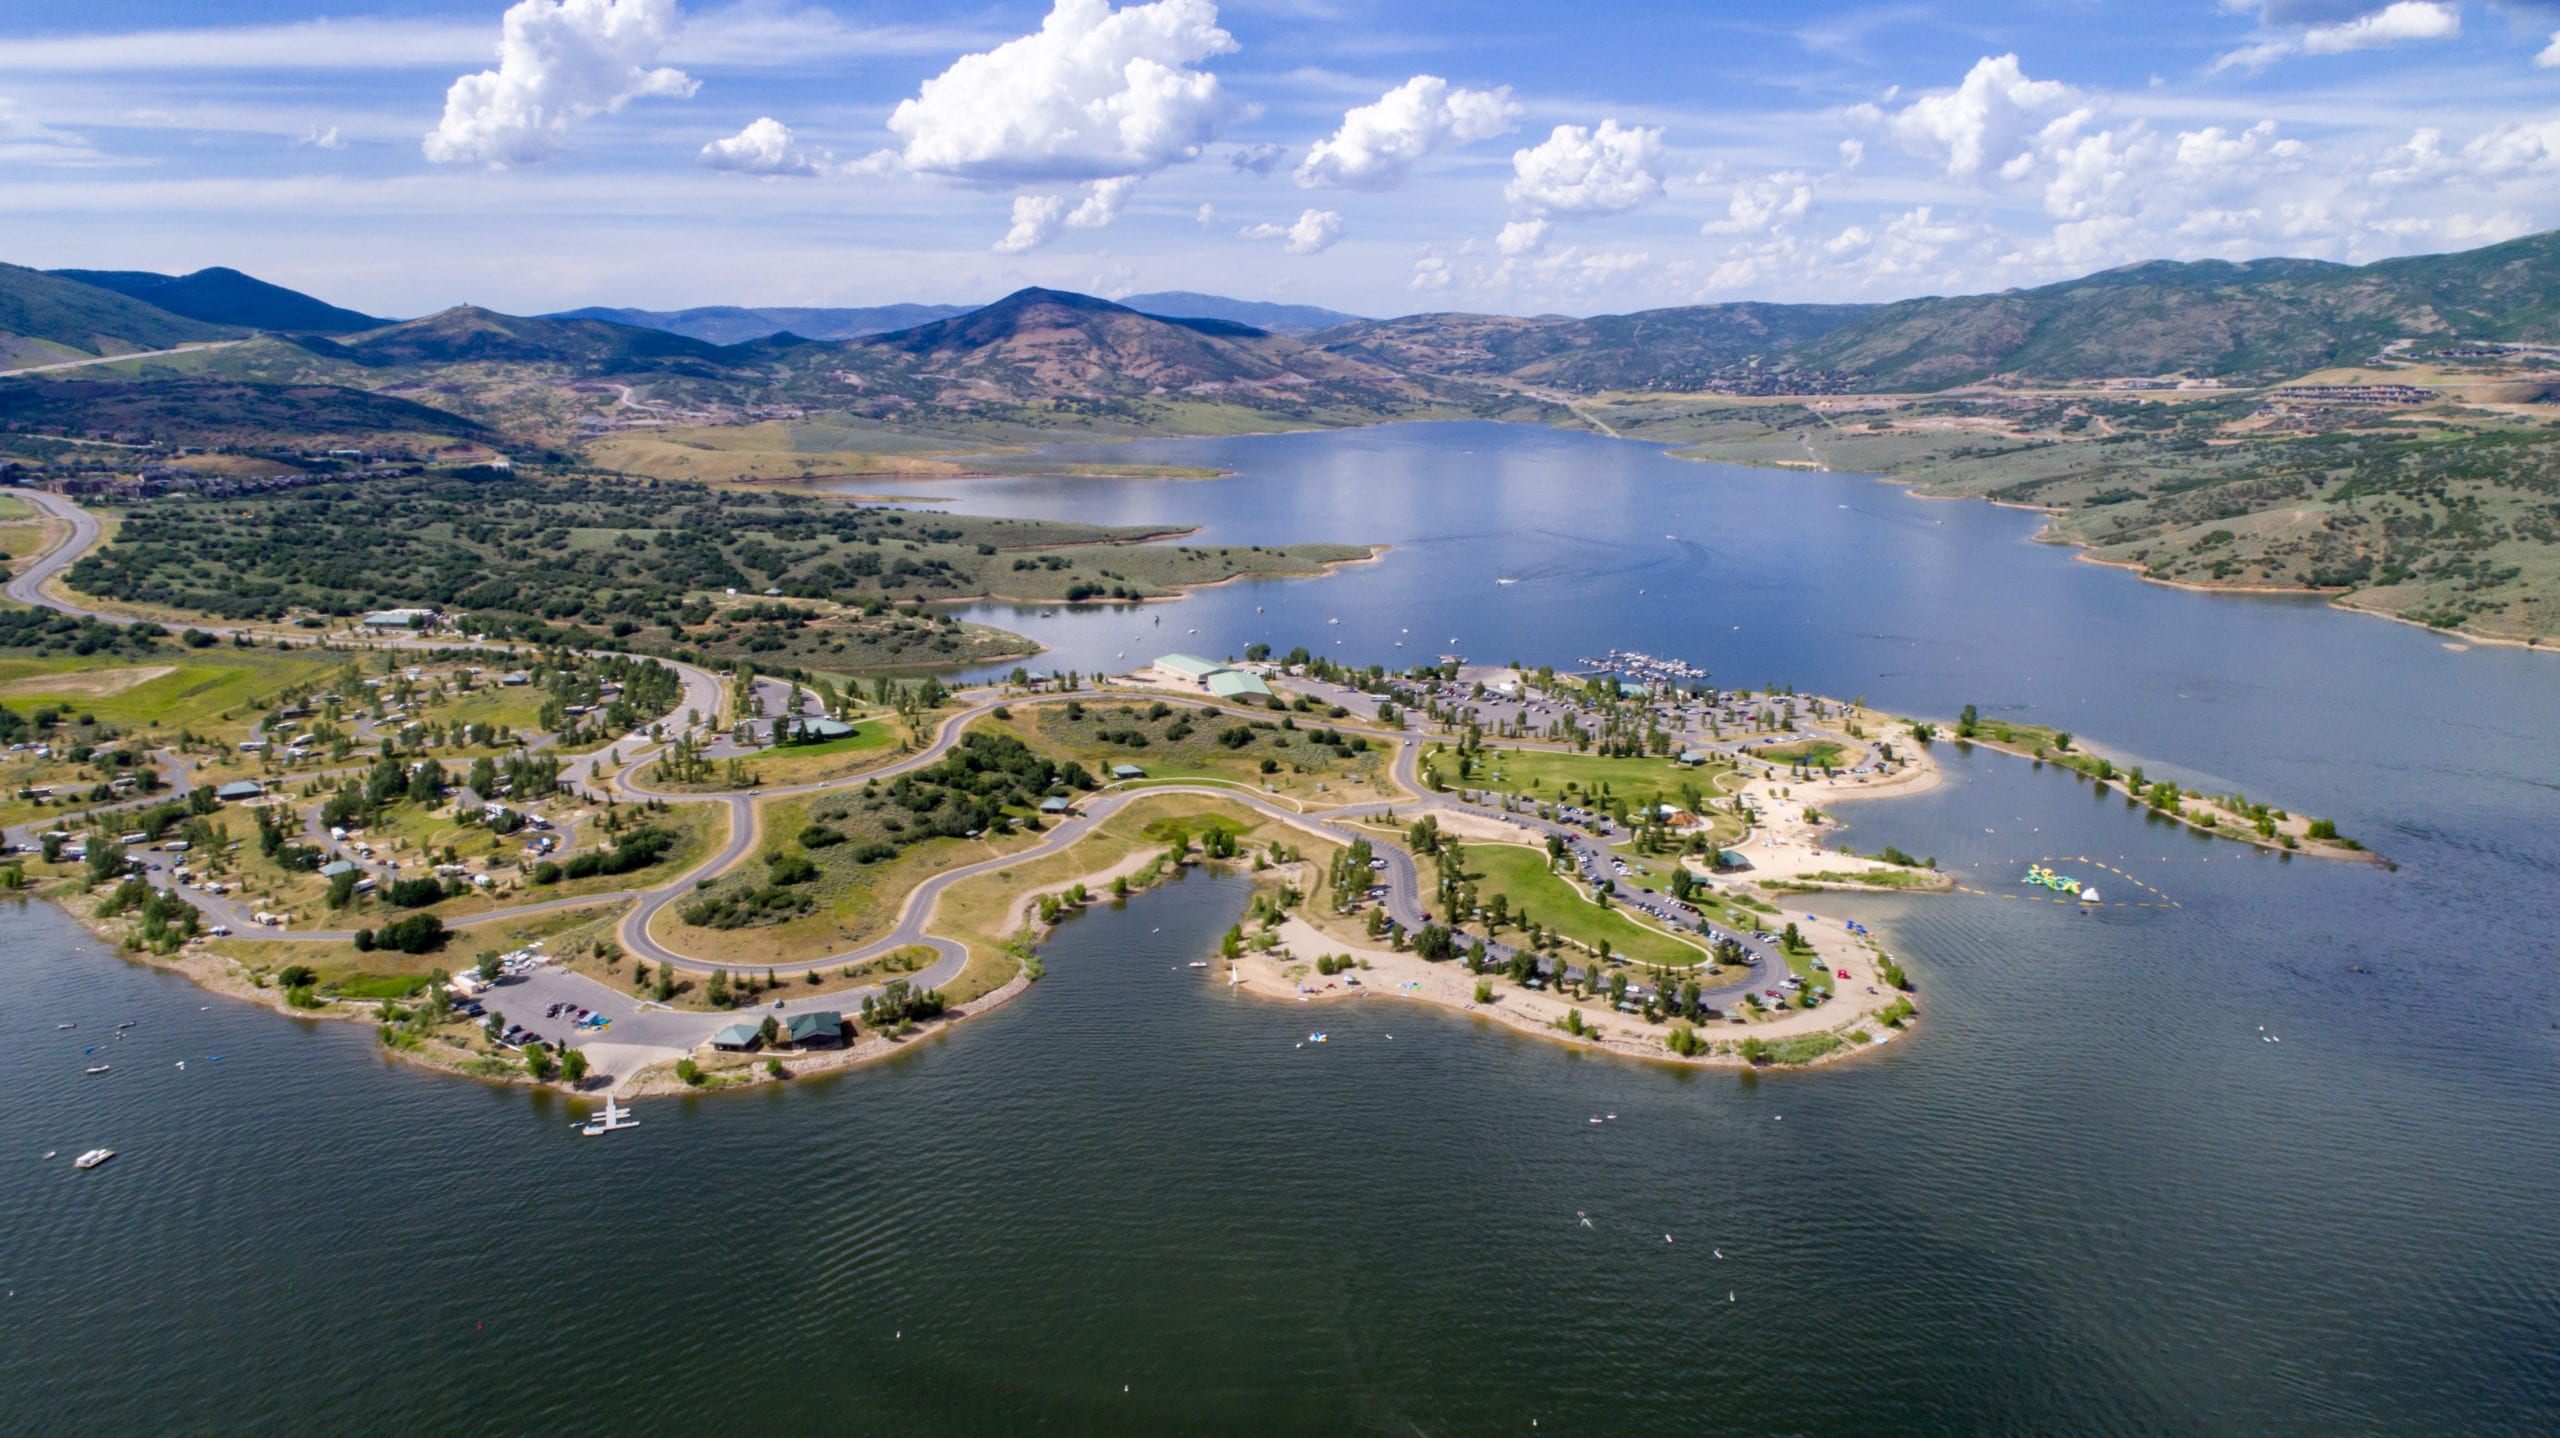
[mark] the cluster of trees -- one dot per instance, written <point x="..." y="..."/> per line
<point x="415" y="934"/>
<point x="900" y="1003"/>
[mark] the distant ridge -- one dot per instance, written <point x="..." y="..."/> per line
<point x="1280" y="319"/>
<point x="734" y="324"/>
<point x="227" y="297"/>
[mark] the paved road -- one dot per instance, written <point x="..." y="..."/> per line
<point x="27" y="585"/>
<point x="706" y="694"/>
<point x="119" y="359"/>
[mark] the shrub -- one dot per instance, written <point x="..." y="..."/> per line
<point x="416" y="934"/>
<point x="414" y="893"/>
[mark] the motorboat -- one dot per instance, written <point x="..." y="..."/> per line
<point x="93" y="1158"/>
<point x="98" y="1068"/>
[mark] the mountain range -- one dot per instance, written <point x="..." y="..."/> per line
<point x="2257" y="321"/>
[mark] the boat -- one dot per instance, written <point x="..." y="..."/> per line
<point x="126" y="1024"/>
<point x="1199" y="963"/>
<point x="66" y="1026"/>
<point x="615" y="1116"/>
<point x="93" y="1158"/>
<point x="98" y="1068"/>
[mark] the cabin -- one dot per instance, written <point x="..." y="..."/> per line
<point x="1127" y="771"/>
<point x="240" y="791"/>
<point x="816" y="1029"/>
<point x="735" y="1038"/>
<point x="1692" y="757"/>
<point x="1057" y="805"/>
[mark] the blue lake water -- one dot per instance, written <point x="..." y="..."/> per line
<point x="2087" y="1196"/>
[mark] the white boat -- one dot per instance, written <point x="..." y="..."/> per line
<point x="615" y="1116"/>
<point x="2088" y="896"/>
<point x="93" y="1158"/>
<point x="1199" y="963"/>
<point x="98" y="1068"/>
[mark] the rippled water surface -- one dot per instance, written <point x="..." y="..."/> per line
<point x="2088" y="1196"/>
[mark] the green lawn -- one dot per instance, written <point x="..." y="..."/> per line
<point x="1547" y="775"/>
<point x="1559" y="904"/>
<point x="1812" y="753"/>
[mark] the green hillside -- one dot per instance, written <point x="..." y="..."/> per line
<point x="2262" y="321"/>
<point x="45" y="318"/>
<point x="227" y="297"/>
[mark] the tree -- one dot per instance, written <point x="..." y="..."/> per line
<point x="573" y="1066"/>
<point x="537" y="1062"/>
<point x="717" y="991"/>
<point x="1966" y="722"/>
<point x="1484" y="991"/>
<point x="769" y="1031"/>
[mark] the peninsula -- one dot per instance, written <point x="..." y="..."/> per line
<point x="649" y="873"/>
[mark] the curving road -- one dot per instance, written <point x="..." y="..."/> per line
<point x="706" y="694"/>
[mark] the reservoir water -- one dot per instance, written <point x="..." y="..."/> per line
<point x="2089" y="1195"/>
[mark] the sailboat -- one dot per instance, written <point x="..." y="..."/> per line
<point x="614" y="1116"/>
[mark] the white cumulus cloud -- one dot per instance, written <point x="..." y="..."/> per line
<point x="2549" y="59"/>
<point x="1312" y="233"/>
<point x="320" y="138"/>
<point x="1095" y="94"/>
<point x="2393" y="24"/>
<point x="1379" y="143"/>
<point x="1522" y="237"/>
<point x="1038" y="218"/>
<point x="1430" y="273"/>
<point x="1582" y="171"/>
<point x="559" y="62"/>
<point x="1035" y="222"/>
<point x="1994" y="109"/>
<point x="765" y="147"/>
<point x="1759" y="206"/>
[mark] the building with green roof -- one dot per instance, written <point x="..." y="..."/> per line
<point x="1236" y="684"/>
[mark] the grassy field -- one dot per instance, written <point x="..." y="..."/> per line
<point x="875" y="742"/>
<point x="983" y="912"/>
<point x="1557" y="903"/>
<point x="1183" y="742"/>
<point x="218" y="690"/>
<point x="850" y="903"/>
<point x="1551" y="777"/>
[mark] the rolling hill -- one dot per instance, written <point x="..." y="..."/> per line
<point x="227" y="297"/>
<point x="1654" y="349"/>
<point x="216" y="413"/>
<point x="1041" y="344"/>
<point x="1280" y="319"/>
<point x="47" y="319"/>
<point x="2257" y="321"/>
<point x="469" y="335"/>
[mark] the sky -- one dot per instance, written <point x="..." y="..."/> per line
<point x="1389" y="157"/>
